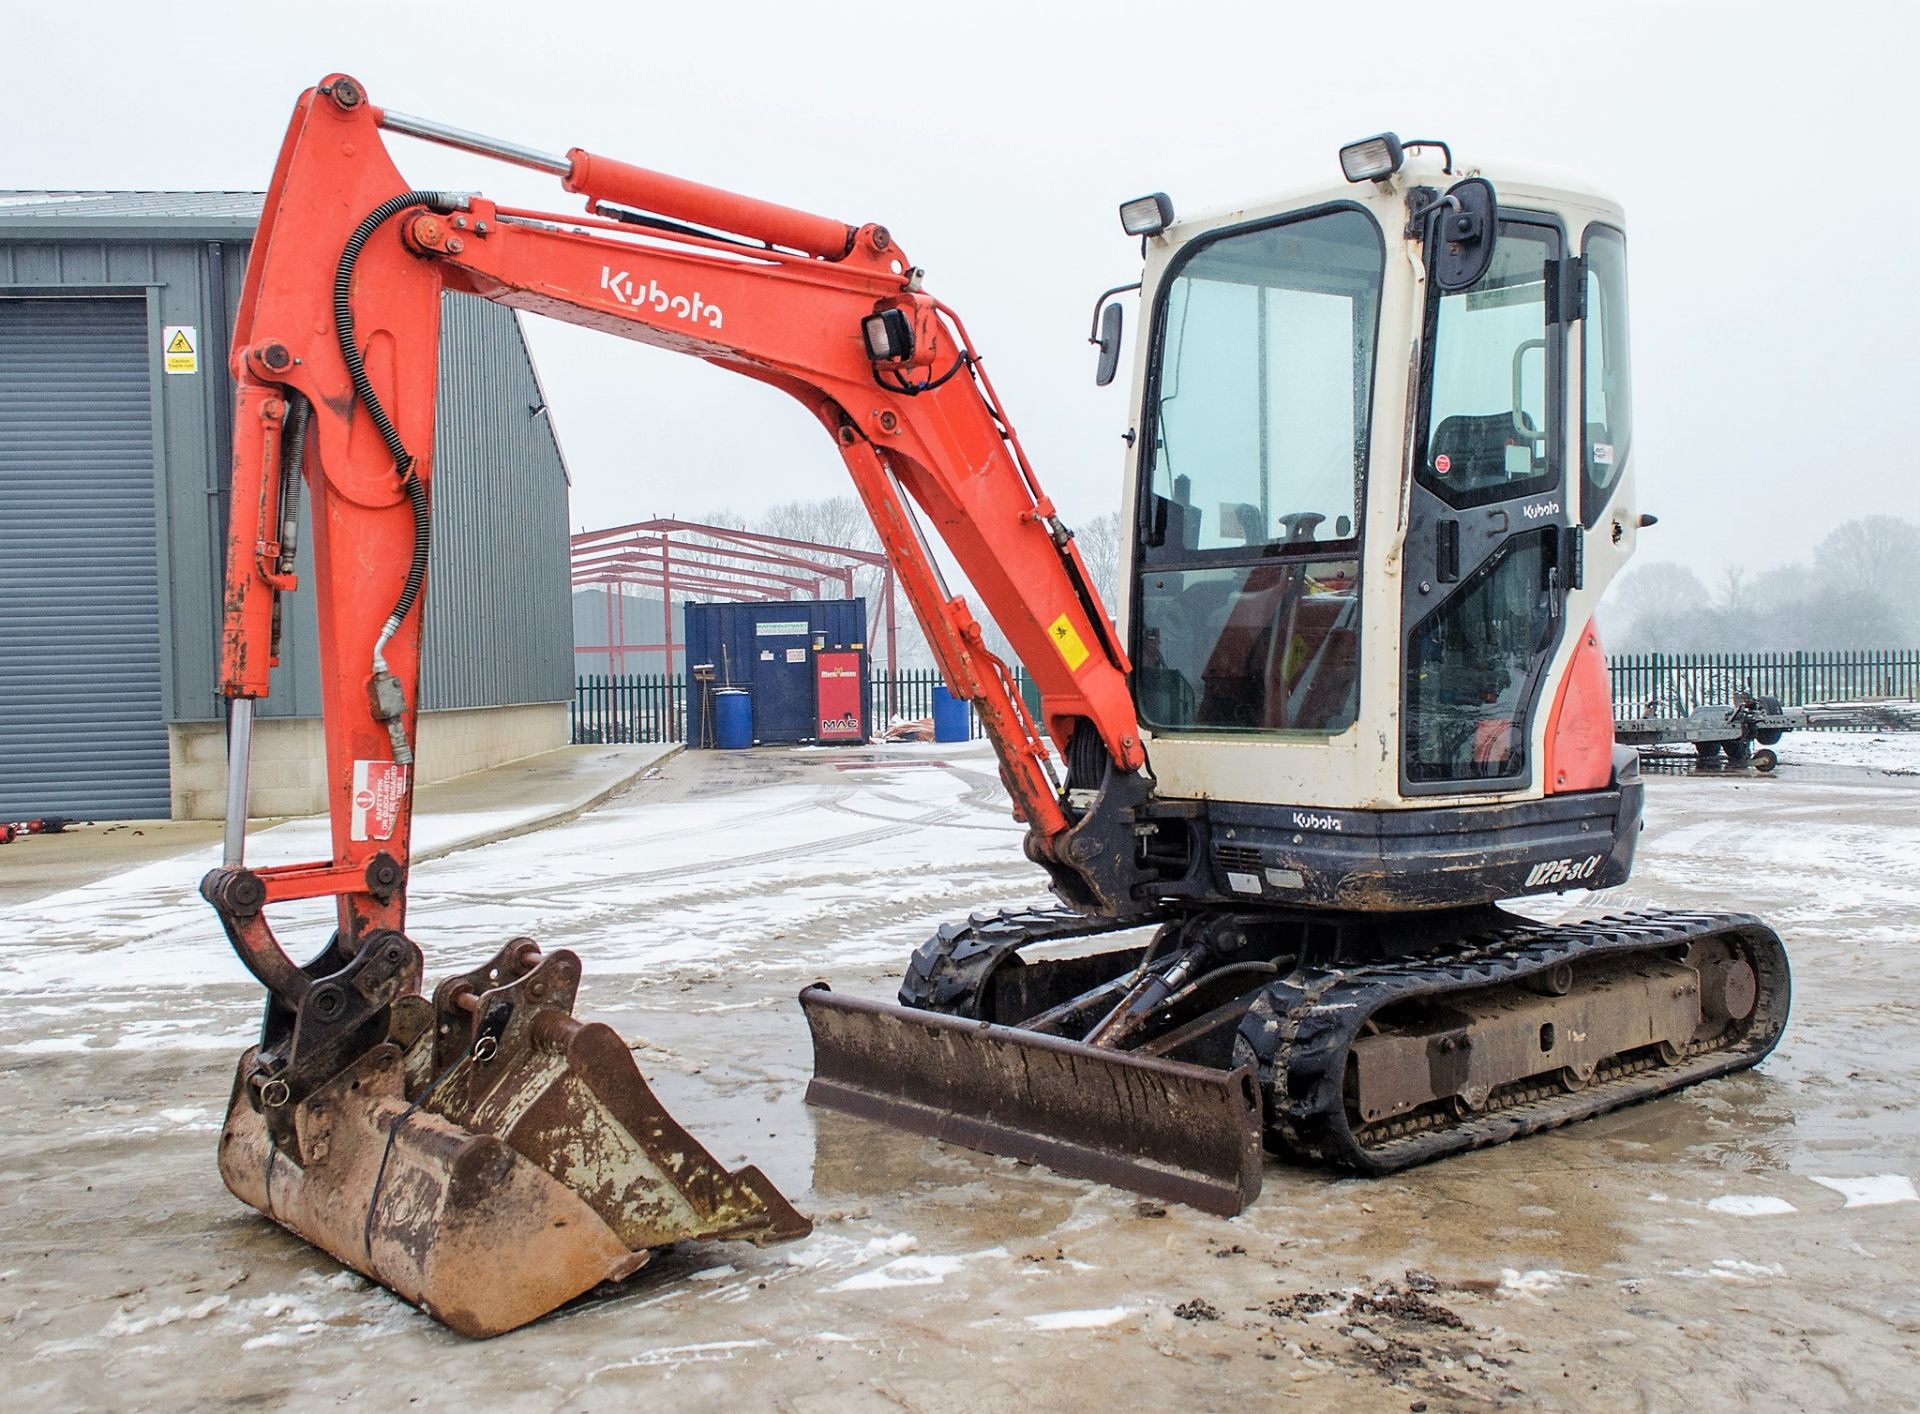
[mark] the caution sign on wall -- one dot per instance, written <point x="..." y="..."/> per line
<point x="180" y="348"/>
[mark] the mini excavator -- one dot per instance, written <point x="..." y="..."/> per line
<point x="1378" y="473"/>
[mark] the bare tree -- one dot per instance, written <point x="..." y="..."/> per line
<point x="1877" y="554"/>
<point x="1660" y="607"/>
<point x="1774" y="591"/>
<point x="843" y="521"/>
<point x="1861" y="591"/>
<point x="831" y="520"/>
<point x="1099" y="542"/>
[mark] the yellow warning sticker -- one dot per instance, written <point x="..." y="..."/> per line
<point x="180" y="348"/>
<point x="1072" y="650"/>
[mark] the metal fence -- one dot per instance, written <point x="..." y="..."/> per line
<point x="1673" y="684"/>
<point x="631" y="707"/>
<point x="653" y="706"/>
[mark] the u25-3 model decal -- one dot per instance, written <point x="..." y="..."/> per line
<point x="1563" y="871"/>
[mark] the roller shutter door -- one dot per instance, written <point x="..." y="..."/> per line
<point x="82" y="732"/>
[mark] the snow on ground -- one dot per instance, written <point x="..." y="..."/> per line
<point x="1691" y="1231"/>
<point x="1873" y="1191"/>
<point x="1880" y="751"/>
<point x="637" y="885"/>
<point x="1749" y="1205"/>
<point x="1079" y="1320"/>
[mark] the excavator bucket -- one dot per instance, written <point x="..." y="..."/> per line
<point x="1186" y="1133"/>
<point x="492" y="1158"/>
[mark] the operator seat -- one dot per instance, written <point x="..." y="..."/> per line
<point x="1475" y="445"/>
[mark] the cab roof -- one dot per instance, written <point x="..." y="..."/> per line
<point x="1519" y="183"/>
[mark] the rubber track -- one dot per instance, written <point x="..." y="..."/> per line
<point x="949" y="971"/>
<point x="1301" y="1028"/>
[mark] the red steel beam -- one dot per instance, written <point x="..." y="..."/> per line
<point x="650" y="558"/>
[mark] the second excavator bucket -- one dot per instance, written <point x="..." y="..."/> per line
<point x="1186" y="1133"/>
<point x="492" y="1158"/>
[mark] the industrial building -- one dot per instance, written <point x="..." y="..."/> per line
<point x="115" y="429"/>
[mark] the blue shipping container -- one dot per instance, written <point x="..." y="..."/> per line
<point x="769" y="650"/>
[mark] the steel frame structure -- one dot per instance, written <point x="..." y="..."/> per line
<point x="700" y="559"/>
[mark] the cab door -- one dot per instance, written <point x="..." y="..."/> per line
<point x="1485" y="580"/>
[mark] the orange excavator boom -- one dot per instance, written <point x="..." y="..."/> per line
<point x="367" y="1113"/>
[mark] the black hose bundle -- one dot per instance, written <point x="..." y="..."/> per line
<point x="363" y="389"/>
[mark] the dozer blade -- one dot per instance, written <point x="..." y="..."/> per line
<point x="495" y="1164"/>
<point x="1186" y="1133"/>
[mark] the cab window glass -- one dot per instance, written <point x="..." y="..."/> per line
<point x="1489" y="426"/>
<point x="1267" y="647"/>
<point x="1261" y="393"/>
<point x="1473" y="667"/>
<point x="1606" y="382"/>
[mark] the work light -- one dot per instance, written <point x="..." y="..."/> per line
<point x="1146" y="215"/>
<point x="889" y="336"/>
<point x="1372" y="159"/>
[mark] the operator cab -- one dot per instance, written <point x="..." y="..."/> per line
<point x="1378" y="480"/>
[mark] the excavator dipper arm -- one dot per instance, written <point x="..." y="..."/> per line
<point x="338" y="332"/>
<point x="483" y="1153"/>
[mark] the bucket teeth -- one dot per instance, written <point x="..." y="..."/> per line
<point x="532" y="1165"/>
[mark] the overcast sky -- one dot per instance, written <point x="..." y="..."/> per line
<point x="1759" y="149"/>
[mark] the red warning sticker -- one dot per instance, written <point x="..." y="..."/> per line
<point x="379" y="793"/>
<point x="1443" y="463"/>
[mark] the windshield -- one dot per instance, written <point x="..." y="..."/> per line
<point x="1249" y="591"/>
<point x="1259" y="412"/>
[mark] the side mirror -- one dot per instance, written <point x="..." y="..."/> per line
<point x="1105" y="334"/>
<point x="1109" y="344"/>
<point x="1461" y="234"/>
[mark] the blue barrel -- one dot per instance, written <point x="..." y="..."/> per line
<point x="732" y="718"/>
<point x="952" y="716"/>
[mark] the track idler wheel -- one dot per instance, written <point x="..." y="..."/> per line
<point x="1575" y="1078"/>
<point x="491" y="1164"/>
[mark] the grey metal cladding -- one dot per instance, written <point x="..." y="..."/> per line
<point x="639" y="615"/>
<point x="499" y="616"/>
<point x="129" y="215"/>
<point x="499" y="622"/>
<point x="499" y="625"/>
<point x="82" y="726"/>
<point x="171" y="282"/>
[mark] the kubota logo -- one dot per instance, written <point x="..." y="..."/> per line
<point x="1540" y="508"/>
<point x="693" y="309"/>
<point x="1303" y="820"/>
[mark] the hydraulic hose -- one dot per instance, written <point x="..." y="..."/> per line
<point x="363" y="389"/>
<point x="388" y="701"/>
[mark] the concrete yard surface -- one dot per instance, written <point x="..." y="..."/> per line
<point x="478" y="808"/>
<point x="1752" y="1242"/>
